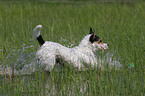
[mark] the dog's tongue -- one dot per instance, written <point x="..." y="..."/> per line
<point x="103" y="49"/>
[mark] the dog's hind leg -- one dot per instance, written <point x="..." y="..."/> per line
<point x="50" y="63"/>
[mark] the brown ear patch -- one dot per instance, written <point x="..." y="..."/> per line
<point x="99" y="42"/>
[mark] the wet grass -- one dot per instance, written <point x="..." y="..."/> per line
<point x="120" y="25"/>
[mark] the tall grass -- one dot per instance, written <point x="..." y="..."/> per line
<point x="120" y="25"/>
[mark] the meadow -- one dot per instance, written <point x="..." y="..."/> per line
<point x="121" y="25"/>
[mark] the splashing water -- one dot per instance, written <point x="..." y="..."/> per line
<point x="108" y="61"/>
<point x="25" y="63"/>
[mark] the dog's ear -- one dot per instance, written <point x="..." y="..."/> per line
<point x="91" y="31"/>
<point x="92" y="38"/>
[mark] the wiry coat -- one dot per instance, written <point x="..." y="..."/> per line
<point x="81" y="56"/>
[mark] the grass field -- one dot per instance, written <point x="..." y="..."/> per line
<point x="121" y="25"/>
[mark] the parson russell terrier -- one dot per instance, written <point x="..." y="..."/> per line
<point x="81" y="56"/>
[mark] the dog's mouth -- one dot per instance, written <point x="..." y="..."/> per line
<point x="103" y="47"/>
<point x="100" y="45"/>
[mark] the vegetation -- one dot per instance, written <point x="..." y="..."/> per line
<point x="120" y="25"/>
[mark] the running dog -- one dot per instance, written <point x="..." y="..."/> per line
<point x="81" y="56"/>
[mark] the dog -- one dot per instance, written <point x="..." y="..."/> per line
<point x="81" y="56"/>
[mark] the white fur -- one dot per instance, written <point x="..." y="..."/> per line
<point x="81" y="56"/>
<point x="36" y="31"/>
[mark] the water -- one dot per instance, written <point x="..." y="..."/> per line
<point x="25" y="63"/>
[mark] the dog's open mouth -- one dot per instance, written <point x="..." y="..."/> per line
<point x="102" y="49"/>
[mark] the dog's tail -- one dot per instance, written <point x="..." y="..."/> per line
<point x="37" y="34"/>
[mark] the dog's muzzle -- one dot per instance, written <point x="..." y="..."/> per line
<point x="104" y="46"/>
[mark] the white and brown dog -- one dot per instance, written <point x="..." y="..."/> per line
<point x="81" y="56"/>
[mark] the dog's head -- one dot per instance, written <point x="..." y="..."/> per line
<point x="97" y="42"/>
